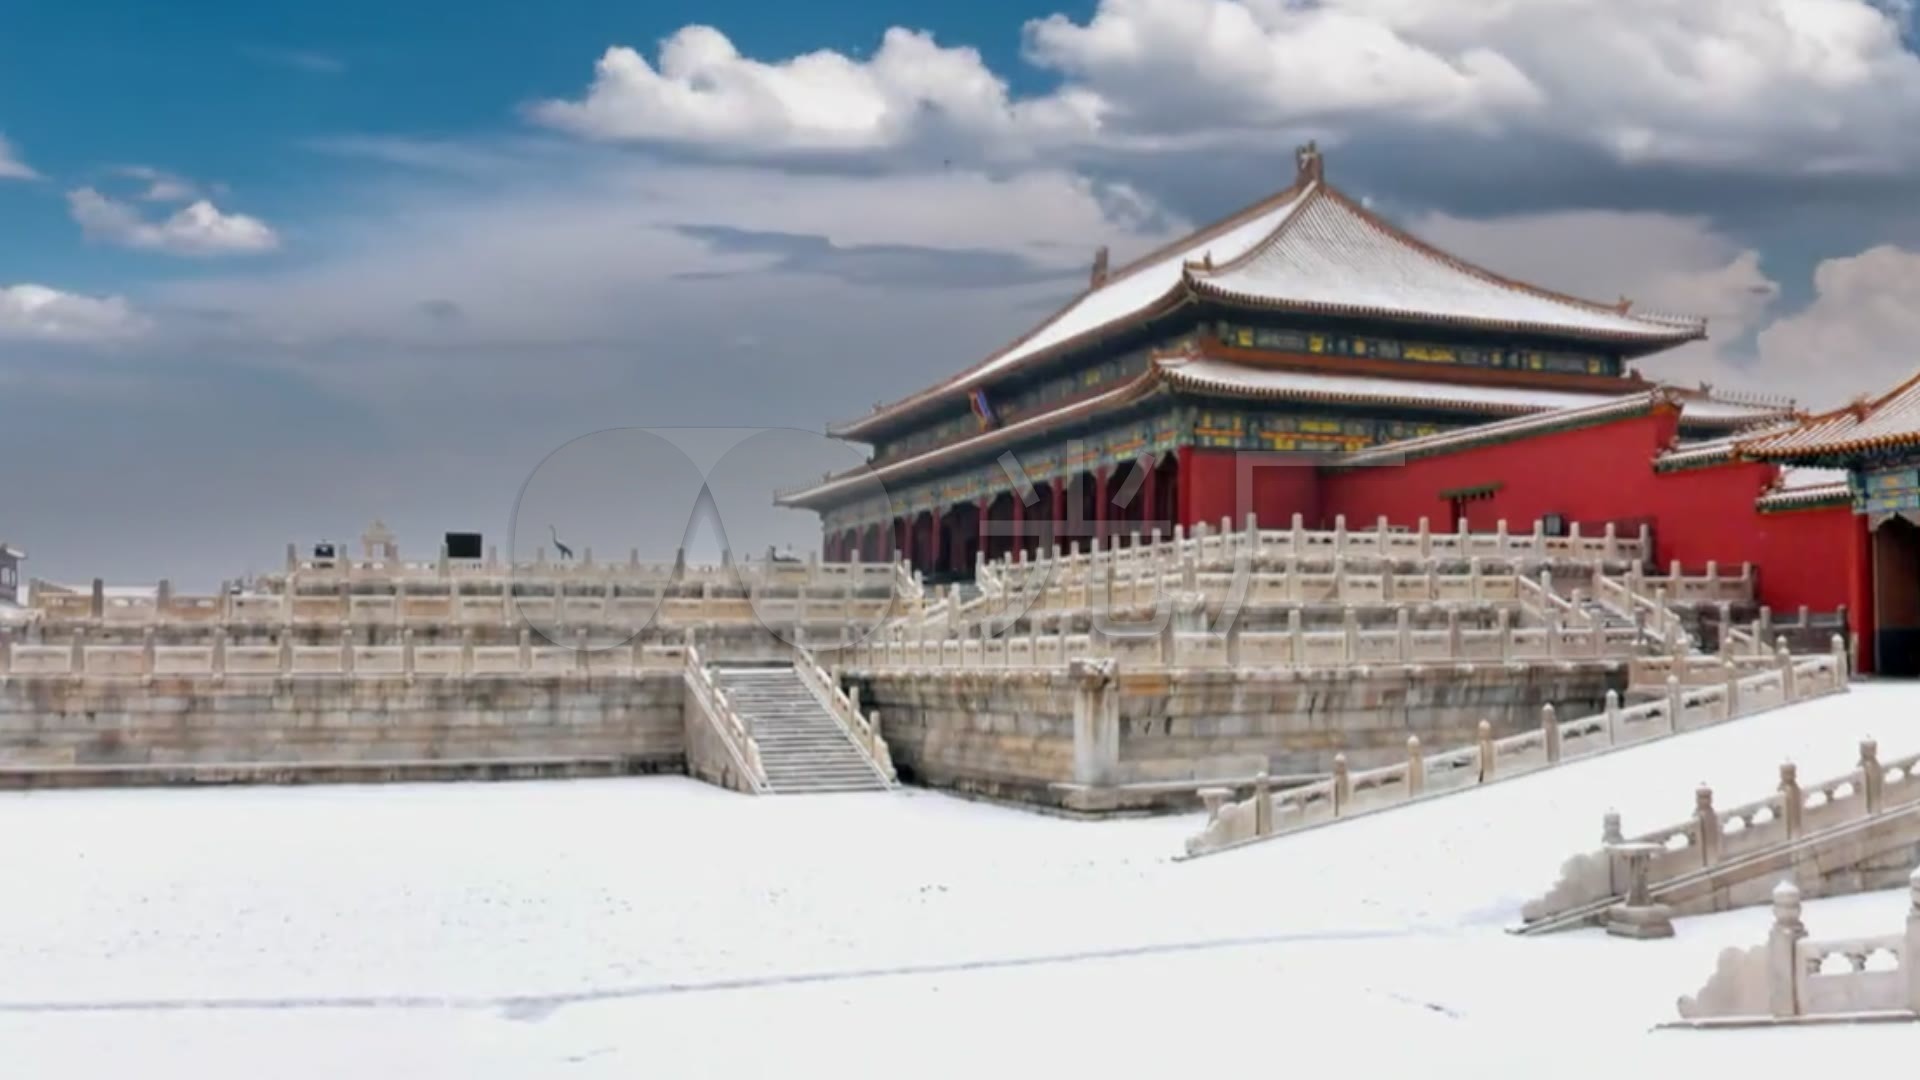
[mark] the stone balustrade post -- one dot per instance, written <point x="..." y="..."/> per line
<point x="1473" y="579"/>
<point x="1342" y="785"/>
<point x="1610" y="828"/>
<point x="1499" y="536"/>
<point x="1096" y="720"/>
<point x="1380" y="535"/>
<point x="1873" y="778"/>
<point x="1550" y="733"/>
<point x="1296" y="637"/>
<point x="1706" y="823"/>
<point x="1403" y="634"/>
<point x="406" y="648"/>
<point x="146" y="651"/>
<point x="525" y="659"/>
<point x="1613" y="717"/>
<point x="1676" y="705"/>
<point x="1792" y="801"/>
<point x="1783" y="948"/>
<point x="1553" y="634"/>
<point x="1453" y="632"/>
<point x="1484" y="740"/>
<point x="1339" y="534"/>
<point x="1426" y="537"/>
<point x="346" y="648"/>
<point x="1461" y="529"/>
<point x="1841" y="669"/>
<point x="1503" y="630"/>
<point x="1724" y="612"/>
<point x="1350" y="633"/>
<point x="1416" y="768"/>
<point x="1908" y="962"/>
<point x="1784" y="660"/>
<point x="1297" y="541"/>
<point x="1262" y="804"/>
<point x="1732" y="674"/>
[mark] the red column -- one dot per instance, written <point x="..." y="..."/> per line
<point x="1183" y="494"/>
<point x="1100" y="505"/>
<point x="933" y="541"/>
<point x="1058" y="493"/>
<point x="1149" y="492"/>
<point x="981" y="507"/>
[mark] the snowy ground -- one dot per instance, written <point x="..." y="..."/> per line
<point x="601" y="928"/>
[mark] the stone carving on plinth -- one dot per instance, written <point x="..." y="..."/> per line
<point x="1638" y="916"/>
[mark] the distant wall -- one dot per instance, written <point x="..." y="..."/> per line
<point x="312" y="719"/>
<point x="1045" y="738"/>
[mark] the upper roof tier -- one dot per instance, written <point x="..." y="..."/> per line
<point x="1888" y="422"/>
<point x="1308" y="249"/>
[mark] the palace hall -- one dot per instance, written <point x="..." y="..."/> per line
<point x="1304" y="327"/>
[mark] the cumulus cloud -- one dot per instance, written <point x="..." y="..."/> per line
<point x="1662" y="262"/>
<point x="11" y="167"/>
<point x="39" y="314"/>
<point x="1856" y="336"/>
<point x="704" y="92"/>
<point x="1793" y="85"/>
<point x="160" y="185"/>
<point x="199" y="228"/>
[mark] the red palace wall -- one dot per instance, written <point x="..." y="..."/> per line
<point x="1589" y="475"/>
<point x="1281" y="485"/>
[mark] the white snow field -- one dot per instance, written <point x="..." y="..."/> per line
<point x="660" y="927"/>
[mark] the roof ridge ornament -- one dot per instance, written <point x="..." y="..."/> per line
<point x="1099" y="275"/>
<point x="1311" y="166"/>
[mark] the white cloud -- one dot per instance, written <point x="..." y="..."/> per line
<point x="37" y="313"/>
<point x="705" y="92"/>
<point x="1662" y="262"/>
<point x="1795" y="85"/>
<point x="161" y="186"/>
<point x="11" y="167"/>
<point x="199" y="228"/>
<point x="1857" y="335"/>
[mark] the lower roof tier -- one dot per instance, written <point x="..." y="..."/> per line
<point x="1201" y="379"/>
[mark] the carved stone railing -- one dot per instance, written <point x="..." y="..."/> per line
<point x="1795" y="979"/>
<point x="1210" y="546"/>
<point x="1348" y="793"/>
<point x="221" y="658"/>
<point x="720" y="745"/>
<point x="863" y="729"/>
<point x="1713" y="837"/>
<point x="1168" y="645"/>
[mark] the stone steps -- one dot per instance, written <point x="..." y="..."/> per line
<point x="803" y="748"/>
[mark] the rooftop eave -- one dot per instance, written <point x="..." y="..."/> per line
<point x="1655" y="339"/>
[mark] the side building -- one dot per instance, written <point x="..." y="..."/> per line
<point x="1303" y="324"/>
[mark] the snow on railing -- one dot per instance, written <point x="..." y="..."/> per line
<point x="1713" y="837"/>
<point x="1347" y="793"/>
<point x="1792" y="978"/>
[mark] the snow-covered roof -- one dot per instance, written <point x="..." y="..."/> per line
<point x="1889" y="421"/>
<point x="1312" y="249"/>
<point x="1503" y="430"/>
<point x="1803" y="486"/>
<point x="1331" y="256"/>
<point x="1208" y="374"/>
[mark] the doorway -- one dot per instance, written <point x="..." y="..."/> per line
<point x="1896" y="597"/>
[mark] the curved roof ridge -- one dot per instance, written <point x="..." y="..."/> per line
<point x="1401" y="235"/>
<point x="1289" y="195"/>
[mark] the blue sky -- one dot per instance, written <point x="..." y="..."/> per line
<point x="269" y="271"/>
